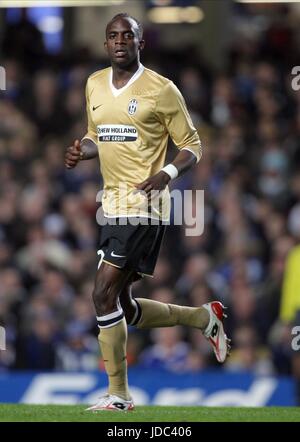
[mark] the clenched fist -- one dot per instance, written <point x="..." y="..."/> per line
<point x="73" y="155"/>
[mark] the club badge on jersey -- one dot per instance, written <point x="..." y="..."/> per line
<point x="132" y="106"/>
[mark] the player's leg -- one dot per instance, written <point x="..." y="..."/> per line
<point x="110" y="282"/>
<point x="208" y="318"/>
<point x="128" y="304"/>
<point x="147" y="313"/>
<point x="150" y="313"/>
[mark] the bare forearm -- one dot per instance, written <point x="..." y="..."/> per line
<point x="183" y="161"/>
<point x="89" y="149"/>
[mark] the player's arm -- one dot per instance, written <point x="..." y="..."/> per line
<point x="183" y="161"/>
<point x="172" y="111"/>
<point x="85" y="149"/>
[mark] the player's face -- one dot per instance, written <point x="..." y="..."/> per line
<point x="122" y="42"/>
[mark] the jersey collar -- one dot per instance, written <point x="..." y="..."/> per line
<point x="116" y="92"/>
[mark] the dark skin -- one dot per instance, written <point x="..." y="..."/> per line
<point x="123" y="45"/>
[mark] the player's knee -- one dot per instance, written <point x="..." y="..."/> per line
<point x="105" y="296"/>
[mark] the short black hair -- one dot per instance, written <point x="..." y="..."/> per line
<point x="125" y="15"/>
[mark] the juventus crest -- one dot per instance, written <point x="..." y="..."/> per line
<point x="132" y="106"/>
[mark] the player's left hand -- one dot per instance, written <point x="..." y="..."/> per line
<point x="155" y="182"/>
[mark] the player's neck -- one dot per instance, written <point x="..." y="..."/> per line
<point x="121" y="75"/>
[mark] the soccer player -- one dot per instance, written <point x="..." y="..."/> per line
<point x="131" y="113"/>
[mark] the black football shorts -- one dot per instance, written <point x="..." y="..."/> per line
<point x="133" y="247"/>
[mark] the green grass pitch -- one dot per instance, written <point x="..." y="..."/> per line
<point x="77" y="413"/>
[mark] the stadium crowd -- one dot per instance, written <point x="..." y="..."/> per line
<point x="248" y="117"/>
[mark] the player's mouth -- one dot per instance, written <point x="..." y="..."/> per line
<point x="120" y="53"/>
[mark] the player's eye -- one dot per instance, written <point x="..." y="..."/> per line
<point x="129" y="35"/>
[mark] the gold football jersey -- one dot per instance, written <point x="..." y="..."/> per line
<point x="131" y="127"/>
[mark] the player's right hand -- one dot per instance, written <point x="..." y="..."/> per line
<point x="73" y="155"/>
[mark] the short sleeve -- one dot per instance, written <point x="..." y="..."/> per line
<point x="172" y="112"/>
<point x="91" y="129"/>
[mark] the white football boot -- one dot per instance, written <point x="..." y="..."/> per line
<point x="214" y="332"/>
<point x="112" y="402"/>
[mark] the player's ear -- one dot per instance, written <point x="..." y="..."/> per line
<point x="105" y="45"/>
<point x="141" y="45"/>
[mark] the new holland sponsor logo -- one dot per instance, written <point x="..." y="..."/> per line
<point x="116" y="133"/>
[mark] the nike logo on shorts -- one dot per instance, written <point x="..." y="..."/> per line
<point x="117" y="256"/>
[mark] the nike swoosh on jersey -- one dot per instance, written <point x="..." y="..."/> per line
<point x="117" y="256"/>
<point x="96" y="107"/>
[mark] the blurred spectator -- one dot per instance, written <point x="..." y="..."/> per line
<point x="290" y="313"/>
<point x="24" y="41"/>
<point x="290" y="304"/>
<point x="79" y="351"/>
<point x="37" y="347"/>
<point x="247" y="354"/>
<point x="168" y="351"/>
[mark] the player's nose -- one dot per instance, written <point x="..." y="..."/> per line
<point x="120" y="39"/>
